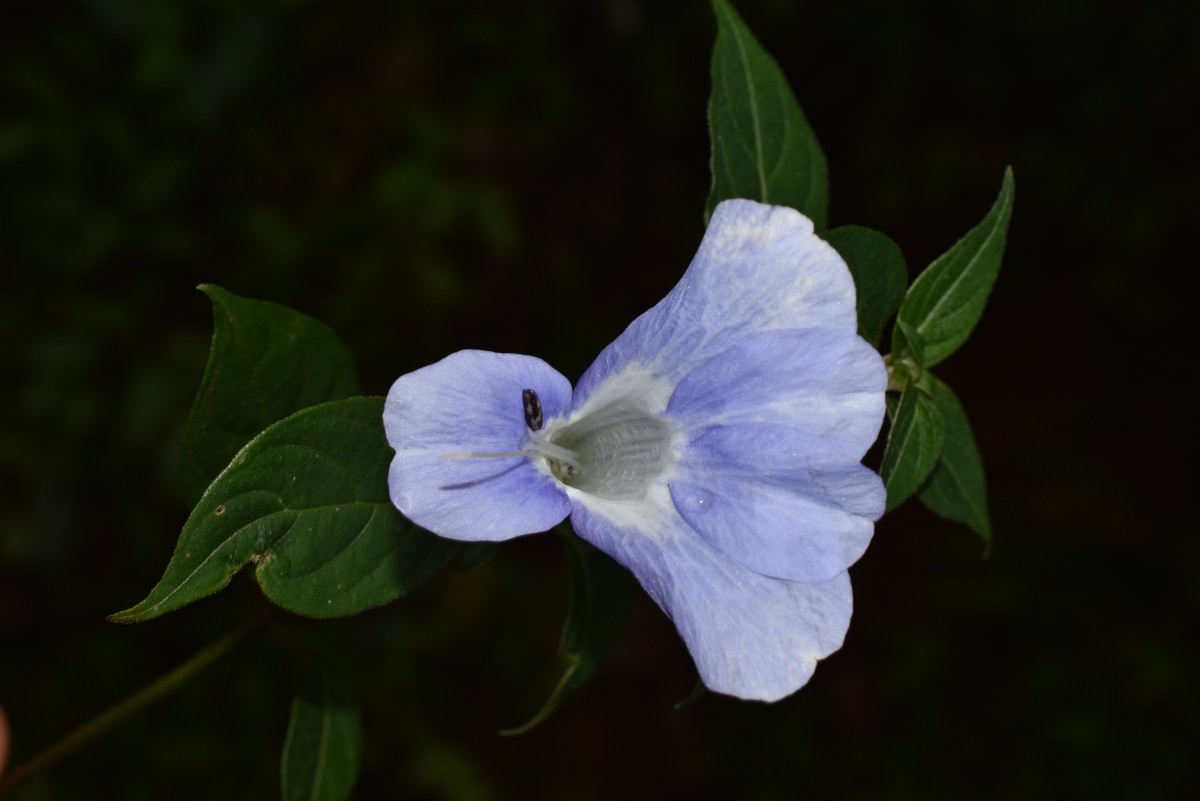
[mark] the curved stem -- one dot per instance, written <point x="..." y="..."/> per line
<point x="105" y="720"/>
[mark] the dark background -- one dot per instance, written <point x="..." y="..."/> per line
<point x="528" y="177"/>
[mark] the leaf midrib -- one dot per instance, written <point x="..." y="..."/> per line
<point x="372" y="505"/>
<point x="754" y="115"/>
<point x="1001" y="206"/>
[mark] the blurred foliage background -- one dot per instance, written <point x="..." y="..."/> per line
<point x="529" y="176"/>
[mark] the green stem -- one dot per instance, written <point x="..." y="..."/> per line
<point x="113" y="715"/>
<point x="901" y="372"/>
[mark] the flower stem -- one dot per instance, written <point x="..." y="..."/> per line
<point x="901" y="372"/>
<point x="147" y="695"/>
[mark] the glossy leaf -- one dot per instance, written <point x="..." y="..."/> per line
<point x="602" y="593"/>
<point x="762" y="146"/>
<point x="880" y="275"/>
<point x="266" y="361"/>
<point x="956" y="488"/>
<point x="306" y="501"/>
<point x="947" y="299"/>
<point x="913" y="447"/>
<point x="323" y="748"/>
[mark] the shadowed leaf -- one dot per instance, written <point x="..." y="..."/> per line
<point x="266" y="361"/>
<point x="323" y="747"/>
<point x="880" y="275"/>
<point x="602" y="593"/>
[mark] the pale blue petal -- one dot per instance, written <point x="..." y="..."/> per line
<point x="470" y="402"/>
<point x="809" y="529"/>
<point x="759" y="268"/>
<point x="826" y="385"/>
<point x="750" y="636"/>
<point x="774" y="429"/>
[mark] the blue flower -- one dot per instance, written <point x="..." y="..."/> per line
<point x="713" y="449"/>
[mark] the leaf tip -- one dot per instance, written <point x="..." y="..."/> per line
<point x="131" y="615"/>
<point x="1009" y="183"/>
<point x="984" y="530"/>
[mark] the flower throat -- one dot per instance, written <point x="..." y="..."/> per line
<point x="615" y="449"/>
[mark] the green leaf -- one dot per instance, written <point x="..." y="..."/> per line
<point x="762" y="146"/>
<point x="880" y="275"/>
<point x="266" y="362"/>
<point x="947" y="299"/>
<point x="307" y="502"/>
<point x="323" y="747"/>
<point x="913" y="447"/>
<point x="956" y="488"/>
<point x="602" y="593"/>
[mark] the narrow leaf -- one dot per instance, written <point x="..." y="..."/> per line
<point x="947" y="299"/>
<point x="602" y="593"/>
<point x="956" y="488"/>
<point x="913" y="446"/>
<point x="307" y="502"/>
<point x="880" y="275"/>
<point x="323" y="747"/>
<point x="762" y="146"/>
<point x="266" y="361"/>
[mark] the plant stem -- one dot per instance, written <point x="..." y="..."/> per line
<point x="113" y="715"/>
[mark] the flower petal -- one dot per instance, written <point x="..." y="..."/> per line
<point x="751" y="636"/>
<point x="774" y="428"/>
<point x="826" y="385"/>
<point x="800" y="530"/>
<point x="759" y="268"/>
<point x="471" y="402"/>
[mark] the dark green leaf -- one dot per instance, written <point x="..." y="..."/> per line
<point x="602" y="593"/>
<point x="307" y="502"/>
<point x="880" y="275"/>
<point x="955" y="488"/>
<point x="266" y="362"/>
<point x="324" y="742"/>
<point x="762" y="146"/>
<point x="913" y="446"/>
<point x="947" y="299"/>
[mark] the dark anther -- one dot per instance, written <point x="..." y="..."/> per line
<point x="533" y="409"/>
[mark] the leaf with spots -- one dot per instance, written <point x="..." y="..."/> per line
<point x="266" y="361"/>
<point x="762" y="146"/>
<point x="306" y="502"/>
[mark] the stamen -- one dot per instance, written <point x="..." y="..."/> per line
<point x="564" y="462"/>
<point x="499" y="455"/>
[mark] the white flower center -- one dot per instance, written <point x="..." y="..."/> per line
<point x="616" y="450"/>
<point x="621" y="443"/>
